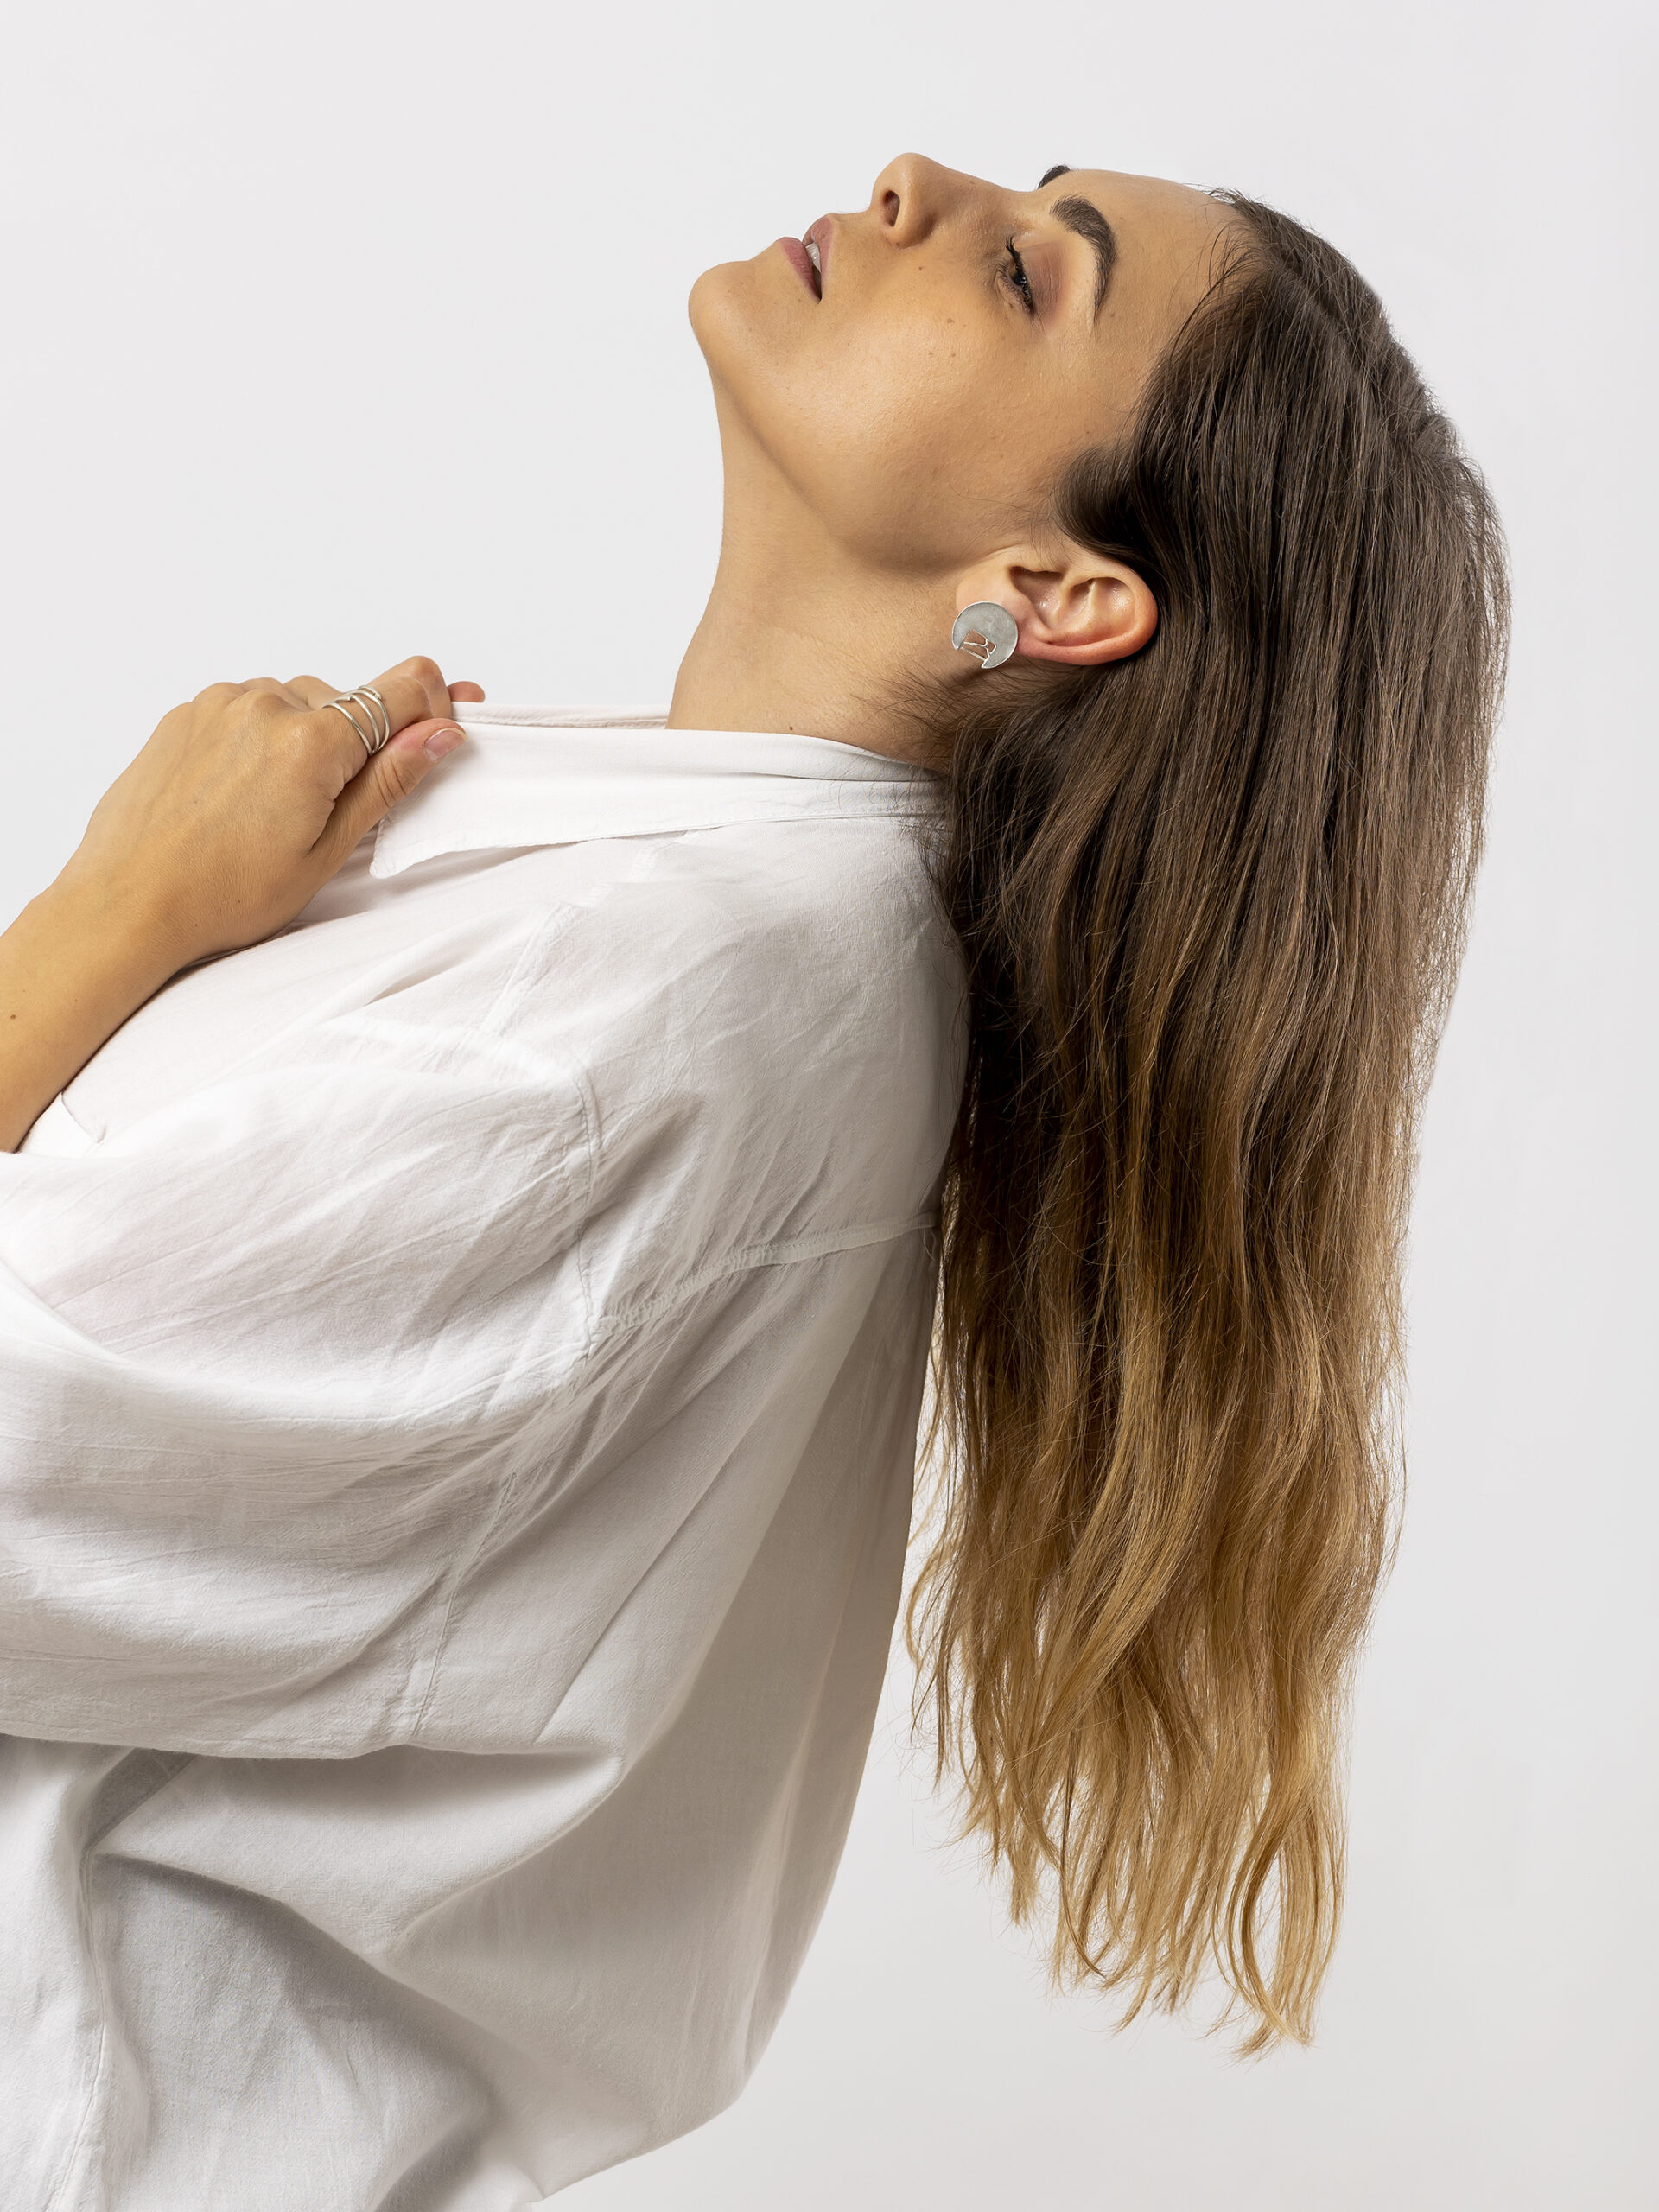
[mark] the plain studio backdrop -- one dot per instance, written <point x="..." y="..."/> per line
<point x="338" y="333"/>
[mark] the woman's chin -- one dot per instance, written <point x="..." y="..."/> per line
<point x="716" y="304"/>
<point x="741" y="309"/>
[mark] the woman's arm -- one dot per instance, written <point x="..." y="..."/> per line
<point x="69" y="977"/>
<point x="238" y="810"/>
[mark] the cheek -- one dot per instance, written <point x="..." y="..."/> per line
<point x="899" y="429"/>
<point x="887" y="432"/>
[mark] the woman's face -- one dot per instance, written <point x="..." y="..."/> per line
<point x="963" y="342"/>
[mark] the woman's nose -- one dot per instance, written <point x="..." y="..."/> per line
<point x="910" y="196"/>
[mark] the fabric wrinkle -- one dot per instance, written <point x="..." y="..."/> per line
<point x="460" y="1367"/>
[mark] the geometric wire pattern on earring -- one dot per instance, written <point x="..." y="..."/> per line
<point x="987" y="631"/>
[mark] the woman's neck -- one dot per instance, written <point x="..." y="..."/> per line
<point x="797" y="637"/>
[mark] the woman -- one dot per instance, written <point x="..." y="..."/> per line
<point x="465" y="1348"/>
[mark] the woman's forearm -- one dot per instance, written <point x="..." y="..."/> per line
<point x="72" y="966"/>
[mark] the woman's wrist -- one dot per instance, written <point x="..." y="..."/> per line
<point x="122" y="930"/>
<point x="77" y="960"/>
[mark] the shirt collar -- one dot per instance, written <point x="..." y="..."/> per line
<point x="560" y="775"/>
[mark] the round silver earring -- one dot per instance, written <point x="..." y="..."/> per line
<point x="987" y="631"/>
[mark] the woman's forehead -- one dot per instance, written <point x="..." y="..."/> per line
<point x="1165" y="236"/>
<point x="1156" y="207"/>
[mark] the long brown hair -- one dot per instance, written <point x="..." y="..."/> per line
<point x="1210" y="901"/>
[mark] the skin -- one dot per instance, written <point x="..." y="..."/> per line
<point x="239" y="810"/>
<point x="886" y="447"/>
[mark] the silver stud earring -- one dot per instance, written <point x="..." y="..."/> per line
<point x="987" y="631"/>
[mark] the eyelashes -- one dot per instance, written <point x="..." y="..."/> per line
<point x="1016" y="278"/>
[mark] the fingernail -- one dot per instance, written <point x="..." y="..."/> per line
<point x="442" y="742"/>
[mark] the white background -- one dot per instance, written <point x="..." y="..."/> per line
<point x="334" y="332"/>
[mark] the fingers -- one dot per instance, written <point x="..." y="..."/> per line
<point x="414" y="691"/>
<point x="390" y="775"/>
<point x="316" y="691"/>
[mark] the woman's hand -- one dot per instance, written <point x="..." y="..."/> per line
<point x="246" y="801"/>
<point x="238" y="810"/>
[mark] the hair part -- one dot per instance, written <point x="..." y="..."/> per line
<point x="1212" y="903"/>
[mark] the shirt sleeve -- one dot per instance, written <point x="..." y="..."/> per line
<point x="346" y="1395"/>
<point x="268" y="1359"/>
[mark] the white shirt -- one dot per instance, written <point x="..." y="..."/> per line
<point x="460" y="1364"/>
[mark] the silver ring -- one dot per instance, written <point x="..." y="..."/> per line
<point x="367" y="701"/>
<point x="373" y="700"/>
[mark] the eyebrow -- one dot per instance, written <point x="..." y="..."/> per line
<point x="1085" y="219"/>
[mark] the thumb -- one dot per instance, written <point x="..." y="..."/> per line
<point x="389" y="775"/>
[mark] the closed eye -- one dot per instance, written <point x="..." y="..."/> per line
<point x="1013" y="275"/>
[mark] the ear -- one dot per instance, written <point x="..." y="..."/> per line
<point x="1071" y="605"/>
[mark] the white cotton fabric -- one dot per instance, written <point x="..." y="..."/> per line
<point x="460" y="1364"/>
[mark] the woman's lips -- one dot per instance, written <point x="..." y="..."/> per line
<point x="801" y="261"/>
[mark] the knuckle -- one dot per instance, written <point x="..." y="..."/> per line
<point x="423" y="670"/>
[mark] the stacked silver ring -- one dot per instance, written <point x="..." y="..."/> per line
<point x="366" y="701"/>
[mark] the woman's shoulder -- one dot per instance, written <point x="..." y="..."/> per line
<point x="820" y="926"/>
<point x="852" y="890"/>
<point x="778" y="1011"/>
